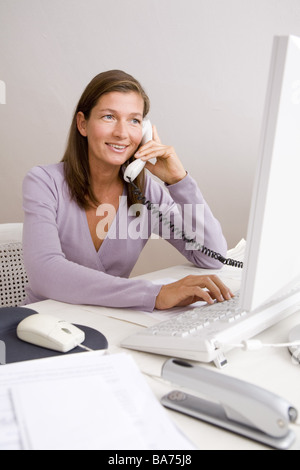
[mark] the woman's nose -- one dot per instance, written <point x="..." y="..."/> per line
<point x="120" y="130"/>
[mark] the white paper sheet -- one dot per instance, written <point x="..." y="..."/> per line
<point x="82" y="401"/>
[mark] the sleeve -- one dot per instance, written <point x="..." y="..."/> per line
<point x="186" y="208"/>
<point x="51" y="275"/>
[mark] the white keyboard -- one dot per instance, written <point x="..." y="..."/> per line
<point x="205" y="333"/>
<point x="194" y="321"/>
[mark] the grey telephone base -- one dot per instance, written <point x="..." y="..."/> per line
<point x="237" y="406"/>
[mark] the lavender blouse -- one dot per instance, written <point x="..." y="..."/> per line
<point x="61" y="260"/>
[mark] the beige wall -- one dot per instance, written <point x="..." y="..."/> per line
<point x="204" y="64"/>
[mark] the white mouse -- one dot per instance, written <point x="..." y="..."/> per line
<point x="50" y="332"/>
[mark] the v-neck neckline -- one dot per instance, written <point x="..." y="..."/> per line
<point x="113" y="226"/>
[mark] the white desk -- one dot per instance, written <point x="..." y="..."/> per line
<point x="269" y="368"/>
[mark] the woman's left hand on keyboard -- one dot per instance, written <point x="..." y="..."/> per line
<point x="191" y="289"/>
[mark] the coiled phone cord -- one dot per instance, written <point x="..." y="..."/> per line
<point x="198" y="246"/>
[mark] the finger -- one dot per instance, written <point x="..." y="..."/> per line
<point x="155" y="135"/>
<point x="146" y="153"/>
<point x="180" y="293"/>
<point x="145" y="148"/>
<point x="225" y="291"/>
<point x="214" y="284"/>
<point x="187" y="301"/>
<point x="214" y="290"/>
<point x="197" y="293"/>
<point x="205" y="281"/>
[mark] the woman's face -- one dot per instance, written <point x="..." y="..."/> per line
<point x="114" y="128"/>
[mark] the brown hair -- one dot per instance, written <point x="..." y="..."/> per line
<point x="76" y="163"/>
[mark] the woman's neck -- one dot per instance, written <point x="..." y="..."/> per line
<point x="105" y="181"/>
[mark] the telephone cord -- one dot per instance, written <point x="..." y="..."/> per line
<point x="197" y="246"/>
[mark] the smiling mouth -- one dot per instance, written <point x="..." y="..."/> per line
<point x="118" y="148"/>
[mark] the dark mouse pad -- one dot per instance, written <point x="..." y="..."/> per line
<point x="18" y="351"/>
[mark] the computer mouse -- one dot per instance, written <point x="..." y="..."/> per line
<point x="294" y="336"/>
<point x="50" y="332"/>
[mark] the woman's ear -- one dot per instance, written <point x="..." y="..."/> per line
<point x="81" y="123"/>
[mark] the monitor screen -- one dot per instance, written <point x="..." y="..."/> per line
<point x="272" y="259"/>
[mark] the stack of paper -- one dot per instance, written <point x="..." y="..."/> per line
<point x="82" y="401"/>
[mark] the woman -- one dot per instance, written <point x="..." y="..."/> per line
<point x="71" y="251"/>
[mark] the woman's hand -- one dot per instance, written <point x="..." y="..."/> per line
<point x="168" y="167"/>
<point x="191" y="289"/>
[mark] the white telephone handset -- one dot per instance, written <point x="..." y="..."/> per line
<point x="134" y="169"/>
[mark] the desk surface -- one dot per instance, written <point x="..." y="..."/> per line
<point x="270" y="368"/>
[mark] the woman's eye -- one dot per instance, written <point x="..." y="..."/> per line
<point x="136" y="121"/>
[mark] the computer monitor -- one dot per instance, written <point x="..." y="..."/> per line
<point x="272" y="258"/>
